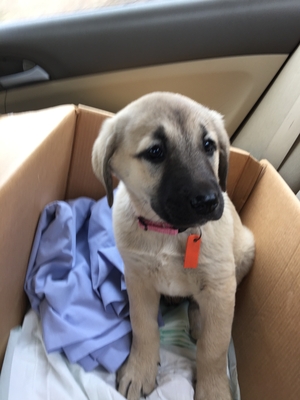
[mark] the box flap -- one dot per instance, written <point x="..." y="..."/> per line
<point x="244" y="172"/>
<point x="35" y="153"/>
<point x="82" y="180"/>
<point x="267" y="318"/>
<point x="21" y="134"/>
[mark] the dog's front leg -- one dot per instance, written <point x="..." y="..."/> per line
<point x="138" y="375"/>
<point x="216" y="313"/>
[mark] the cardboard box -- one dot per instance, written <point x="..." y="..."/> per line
<point x="46" y="155"/>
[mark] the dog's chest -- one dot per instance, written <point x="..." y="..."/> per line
<point x="162" y="264"/>
<point x="172" y="278"/>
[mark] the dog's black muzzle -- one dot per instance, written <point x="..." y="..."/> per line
<point x="184" y="201"/>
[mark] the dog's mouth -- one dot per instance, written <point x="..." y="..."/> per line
<point x="162" y="227"/>
<point x="182" y="213"/>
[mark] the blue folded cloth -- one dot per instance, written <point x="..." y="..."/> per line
<point x="75" y="282"/>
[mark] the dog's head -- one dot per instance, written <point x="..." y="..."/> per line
<point x="172" y="155"/>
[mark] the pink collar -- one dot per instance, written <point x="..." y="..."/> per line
<point x="161" y="227"/>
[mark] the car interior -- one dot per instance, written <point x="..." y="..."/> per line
<point x="239" y="57"/>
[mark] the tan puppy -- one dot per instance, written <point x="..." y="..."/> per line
<point x="171" y="156"/>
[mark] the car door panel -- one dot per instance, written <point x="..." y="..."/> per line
<point x="230" y="85"/>
<point x="153" y="34"/>
<point x="221" y="53"/>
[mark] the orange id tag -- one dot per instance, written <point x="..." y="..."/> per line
<point x="192" y="251"/>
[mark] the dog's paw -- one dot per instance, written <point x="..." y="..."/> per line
<point x="137" y="377"/>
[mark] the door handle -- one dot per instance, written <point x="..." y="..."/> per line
<point x="35" y="74"/>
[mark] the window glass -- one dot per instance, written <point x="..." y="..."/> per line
<point x="12" y="10"/>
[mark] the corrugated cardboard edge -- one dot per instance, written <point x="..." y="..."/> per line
<point x="244" y="172"/>
<point x="82" y="181"/>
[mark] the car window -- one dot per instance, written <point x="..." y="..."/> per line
<point x="32" y="9"/>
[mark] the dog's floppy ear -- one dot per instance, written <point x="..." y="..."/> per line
<point x="224" y="148"/>
<point x="223" y="165"/>
<point x="103" y="150"/>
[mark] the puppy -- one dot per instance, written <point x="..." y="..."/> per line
<point x="176" y="229"/>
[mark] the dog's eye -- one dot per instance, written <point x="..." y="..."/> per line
<point x="155" y="153"/>
<point x="209" y="146"/>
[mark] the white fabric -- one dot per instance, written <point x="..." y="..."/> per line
<point x="29" y="373"/>
<point x="6" y="369"/>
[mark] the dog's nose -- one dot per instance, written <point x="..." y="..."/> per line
<point x="205" y="203"/>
